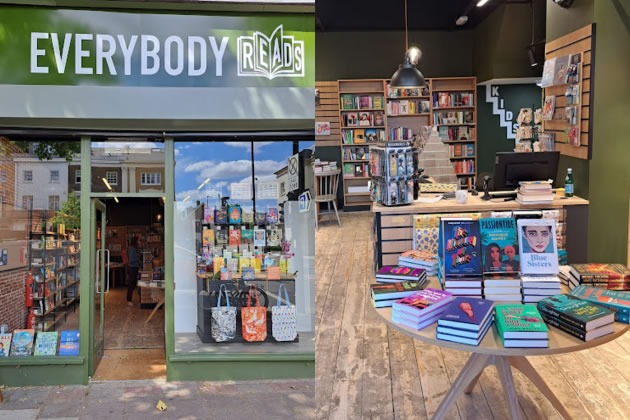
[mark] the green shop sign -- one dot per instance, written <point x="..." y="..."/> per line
<point x="42" y="46"/>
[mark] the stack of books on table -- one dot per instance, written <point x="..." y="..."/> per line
<point x="521" y="326"/>
<point x="538" y="253"/>
<point x="420" y="259"/>
<point x="421" y="309"/>
<point x="577" y="317"/>
<point x="564" y="274"/>
<point x="396" y="273"/>
<point x="459" y="249"/>
<point x="616" y="301"/>
<point x="324" y="166"/>
<point x="465" y="320"/>
<point x="534" y="192"/>
<point x="384" y="295"/>
<point x="501" y="264"/>
<point x="502" y="288"/>
<point x="606" y="276"/>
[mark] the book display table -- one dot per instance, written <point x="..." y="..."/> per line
<point x="393" y="226"/>
<point x="491" y="352"/>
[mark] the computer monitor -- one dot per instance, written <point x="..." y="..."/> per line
<point x="510" y="168"/>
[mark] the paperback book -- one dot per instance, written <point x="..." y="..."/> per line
<point x="499" y="245"/>
<point x="394" y="291"/>
<point x="395" y="273"/>
<point x="537" y="245"/>
<point x="577" y="332"/>
<point x="467" y="314"/>
<point x="616" y="301"/>
<point x="575" y="311"/>
<point x="460" y="247"/>
<point x="423" y="302"/>
<point x="5" y="344"/>
<point x="594" y="272"/>
<point x="69" y="343"/>
<point x="46" y="343"/>
<point x="520" y="322"/>
<point x="23" y="342"/>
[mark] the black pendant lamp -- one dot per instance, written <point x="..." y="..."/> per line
<point x="407" y="75"/>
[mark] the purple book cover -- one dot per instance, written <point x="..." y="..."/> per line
<point x="400" y="271"/>
<point x="467" y="310"/>
<point x="424" y="301"/>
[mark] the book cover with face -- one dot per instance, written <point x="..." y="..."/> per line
<point x="499" y="245"/>
<point x="537" y="244"/>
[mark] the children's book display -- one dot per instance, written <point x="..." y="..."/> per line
<point x="28" y="342"/>
<point x="392" y="168"/>
<point x="465" y="320"/>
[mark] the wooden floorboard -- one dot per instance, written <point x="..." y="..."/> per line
<point x="365" y="370"/>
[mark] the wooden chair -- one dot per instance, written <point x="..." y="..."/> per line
<point x="326" y="184"/>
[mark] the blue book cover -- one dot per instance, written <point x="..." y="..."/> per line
<point x="467" y="313"/>
<point x="499" y="245"/>
<point x="461" y="247"/>
<point x="69" y="343"/>
<point x="615" y="300"/>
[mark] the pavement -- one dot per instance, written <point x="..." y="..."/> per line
<point x="276" y="399"/>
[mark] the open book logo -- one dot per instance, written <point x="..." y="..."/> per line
<point x="274" y="56"/>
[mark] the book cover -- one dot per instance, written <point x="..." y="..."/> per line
<point x="400" y="273"/>
<point x="247" y="235"/>
<point x="548" y="107"/>
<point x="235" y="237"/>
<point x="467" y="313"/>
<point x="22" y="342"/>
<point x="248" y="217"/>
<point x="208" y="215"/>
<point x="235" y="214"/>
<point x="423" y="302"/>
<point x="379" y="119"/>
<point x="69" y="343"/>
<point x="5" y="344"/>
<point x="46" y="343"/>
<point x="537" y="246"/>
<point x="273" y="236"/>
<point x="519" y="319"/>
<point x="377" y="102"/>
<point x="221" y="216"/>
<point x="575" y="311"/>
<point x="461" y="247"/>
<point x="576" y="332"/>
<point x="364" y="102"/>
<point x="365" y="118"/>
<point x="221" y="236"/>
<point x="272" y="215"/>
<point x="597" y="271"/>
<point x="370" y="136"/>
<point x="499" y="245"/>
<point x="617" y="301"/>
<point x="260" y="218"/>
<point x="394" y="290"/>
<point x="346" y="101"/>
<point x="207" y="237"/>
<point x="359" y="136"/>
<point x="259" y="237"/>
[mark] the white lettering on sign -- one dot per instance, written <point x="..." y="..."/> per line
<point x="278" y="55"/>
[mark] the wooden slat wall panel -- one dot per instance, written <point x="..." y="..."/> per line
<point x="328" y="111"/>
<point x="580" y="41"/>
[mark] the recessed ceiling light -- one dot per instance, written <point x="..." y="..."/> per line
<point x="481" y="2"/>
<point x="461" y="20"/>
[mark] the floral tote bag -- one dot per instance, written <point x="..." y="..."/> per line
<point x="283" y="318"/>
<point x="223" y="319"/>
<point x="254" y="319"/>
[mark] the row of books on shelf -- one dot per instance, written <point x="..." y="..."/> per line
<point x="466" y="182"/>
<point x="408" y="107"/>
<point x="462" y="150"/>
<point x="401" y="133"/>
<point x="229" y="263"/>
<point x="363" y="119"/>
<point x="356" y="153"/>
<point x="406" y="92"/>
<point x="320" y="166"/>
<point x="363" y="135"/>
<point x="25" y="342"/>
<point x="237" y="236"/>
<point x="456" y="133"/>
<point x="233" y="214"/>
<point x="447" y="99"/>
<point x="453" y="117"/>
<point x="465" y="166"/>
<point x="352" y="101"/>
<point x="356" y="170"/>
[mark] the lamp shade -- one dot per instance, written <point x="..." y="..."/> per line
<point x="407" y="76"/>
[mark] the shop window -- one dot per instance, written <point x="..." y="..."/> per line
<point x="77" y="176"/>
<point x="39" y="254"/>
<point x="54" y="176"/>
<point x="3" y="177"/>
<point x="112" y="178"/>
<point x="233" y="229"/>
<point x="151" y="178"/>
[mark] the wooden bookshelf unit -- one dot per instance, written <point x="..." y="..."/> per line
<point x="403" y="110"/>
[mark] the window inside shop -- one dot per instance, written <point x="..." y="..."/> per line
<point x="39" y="253"/>
<point x="236" y="240"/>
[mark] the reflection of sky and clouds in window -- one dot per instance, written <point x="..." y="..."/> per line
<point x="226" y="164"/>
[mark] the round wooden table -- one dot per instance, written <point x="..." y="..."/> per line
<point x="491" y="352"/>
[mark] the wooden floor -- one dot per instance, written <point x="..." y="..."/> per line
<point x="366" y="371"/>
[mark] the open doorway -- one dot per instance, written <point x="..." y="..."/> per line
<point x="134" y="308"/>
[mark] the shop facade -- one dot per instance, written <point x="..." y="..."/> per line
<point x="186" y="110"/>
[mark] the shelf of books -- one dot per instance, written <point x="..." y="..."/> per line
<point x="362" y="122"/>
<point x="454" y="112"/>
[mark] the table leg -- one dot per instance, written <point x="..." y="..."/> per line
<point x="472" y="384"/>
<point x="522" y="364"/>
<point x="473" y="368"/>
<point x="505" y="374"/>
<point x="160" y="303"/>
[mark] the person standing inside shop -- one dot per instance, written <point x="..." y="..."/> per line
<point x="132" y="268"/>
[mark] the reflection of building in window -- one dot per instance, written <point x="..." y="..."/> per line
<point x="54" y="176"/>
<point x="3" y="177"/>
<point x="27" y="202"/>
<point x="283" y="188"/>
<point x="77" y="176"/>
<point x="53" y="202"/>
<point x="28" y="176"/>
<point x="112" y="178"/>
<point x="151" y="178"/>
<point x="2" y="201"/>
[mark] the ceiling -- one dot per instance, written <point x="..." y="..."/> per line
<point x="358" y="15"/>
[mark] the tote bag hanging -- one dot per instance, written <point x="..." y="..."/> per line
<point x="283" y="318"/>
<point x="223" y="319"/>
<point x="254" y="319"/>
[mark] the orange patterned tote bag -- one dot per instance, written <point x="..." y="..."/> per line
<point x="254" y="319"/>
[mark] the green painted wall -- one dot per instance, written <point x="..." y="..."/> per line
<point x="492" y="137"/>
<point x="363" y="55"/>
